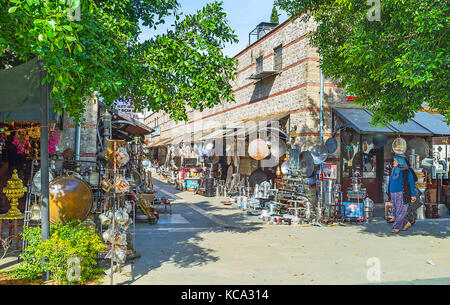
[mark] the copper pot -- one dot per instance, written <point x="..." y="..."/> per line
<point x="71" y="198"/>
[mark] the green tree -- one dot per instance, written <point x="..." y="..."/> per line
<point x="274" y="17"/>
<point x="93" y="46"/>
<point x="395" y="65"/>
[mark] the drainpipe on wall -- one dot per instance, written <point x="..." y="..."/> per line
<point x="320" y="205"/>
<point x="321" y="104"/>
<point x="77" y="141"/>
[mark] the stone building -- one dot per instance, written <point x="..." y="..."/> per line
<point x="277" y="73"/>
<point x="278" y="77"/>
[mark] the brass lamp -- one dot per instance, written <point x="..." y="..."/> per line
<point x="14" y="190"/>
<point x="35" y="212"/>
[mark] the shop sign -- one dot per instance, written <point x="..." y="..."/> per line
<point x="191" y="184"/>
<point x="126" y="106"/>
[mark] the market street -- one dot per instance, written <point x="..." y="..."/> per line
<point x="205" y="242"/>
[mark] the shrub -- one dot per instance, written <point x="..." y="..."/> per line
<point x="70" y="254"/>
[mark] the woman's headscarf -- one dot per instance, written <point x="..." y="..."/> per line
<point x="402" y="165"/>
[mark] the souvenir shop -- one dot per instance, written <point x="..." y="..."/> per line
<point x="109" y="189"/>
<point x="256" y="166"/>
<point x="19" y="146"/>
<point x="367" y="155"/>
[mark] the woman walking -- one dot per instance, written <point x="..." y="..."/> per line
<point x="402" y="190"/>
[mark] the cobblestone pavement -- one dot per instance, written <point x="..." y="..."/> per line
<point x="206" y="242"/>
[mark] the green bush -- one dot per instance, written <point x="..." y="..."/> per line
<point x="70" y="254"/>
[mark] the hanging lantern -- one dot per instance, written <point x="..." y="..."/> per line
<point x="278" y="172"/>
<point x="35" y="212"/>
<point x="258" y="149"/>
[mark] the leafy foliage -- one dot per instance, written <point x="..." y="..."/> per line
<point x="101" y="52"/>
<point x="67" y="241"/>
<point x="395" y="66"/>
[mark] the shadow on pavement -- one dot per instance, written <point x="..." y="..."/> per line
<point x="180" y="243"/>
<point x="439" y="228"/>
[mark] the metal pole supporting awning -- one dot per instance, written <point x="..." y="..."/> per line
<point x="45" y="208"/>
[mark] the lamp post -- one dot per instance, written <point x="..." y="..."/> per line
<point x="45" y="211"/>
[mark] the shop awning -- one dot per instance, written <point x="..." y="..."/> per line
<point x="256" y="124"/>
<point x="434" y="122"/>
<point x="131" y="126"/>
<point x="359" y="118"/>
<point x="20" y="98"/>
<point x="193" y="137"/>
<point x="225" y="131"/>
<point x="246" y="126"/>
<point x="160" y="142"/>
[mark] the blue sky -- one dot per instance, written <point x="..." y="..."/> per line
<point x="243" y="17"/>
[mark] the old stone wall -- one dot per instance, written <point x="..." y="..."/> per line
<point x="88" y="147"/>
<point x="296" y="88"/>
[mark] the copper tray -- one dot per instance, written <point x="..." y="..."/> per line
<point x="71" y="198"/>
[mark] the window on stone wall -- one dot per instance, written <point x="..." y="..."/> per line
<point x="278" y="58"/>
<point x="259" y="64"/>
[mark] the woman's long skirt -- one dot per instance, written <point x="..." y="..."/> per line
<point x="400" y="211"/>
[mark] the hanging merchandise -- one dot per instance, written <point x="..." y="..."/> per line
<point x="2" y="143"/>
<point x="70" y="198"/>
<point x="319" y="154"/>
<point x="367" y="147"/>
<point x="121" y="184"/>
<point x="53" y="141"/>
<point x="27" y="138"/>
<point x="306" y="163"/>
<point x="331" y="145"/>
<point x="22" y="142"/>
<point x="35" y="132"/>
<point x="380" y="140"/>
<point x="285" y="168"/>
<point x="399" y="146"/>
<point x="329" y="171"/>
<point x="258" y="149"/>
<point x="278" y="148"/>
<point x="420" y="147"/>
<point x="122" y="156"/>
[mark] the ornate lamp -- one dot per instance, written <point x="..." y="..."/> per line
<point x="14" y="191"/>
<point x="35" y="212"/>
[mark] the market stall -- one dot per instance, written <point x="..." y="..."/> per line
<point x="367" y="153"/>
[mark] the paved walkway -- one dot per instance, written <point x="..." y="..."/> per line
<point x="206" y="242"/>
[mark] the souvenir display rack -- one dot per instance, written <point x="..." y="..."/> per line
<point x="116" y="209"/>
<point x="32" y="212"/>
